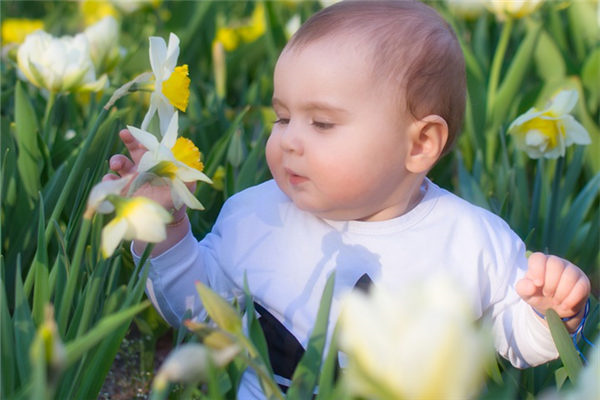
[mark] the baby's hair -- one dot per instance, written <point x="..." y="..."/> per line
<point x="413" y="47"/>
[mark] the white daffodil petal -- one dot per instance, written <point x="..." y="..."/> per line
<point x="112" y="234"/>
<point x="165" y="113"/>
<point x="158" y="55"/>
<point x="563" y="102"/>
<point x="185" y="195"/>
<point x="100" y="191"/>
<point x="575" y="132"/>
<point x="147" y="221"/>
<point x="170" y="135"/>
<point x="172" y="53"/>
<point x="189" y="174"/>
<point x="151" y="112"/>
<point x="147" y="162"/>
<point x="146" y="139"/>
<point x="529" y="115"/>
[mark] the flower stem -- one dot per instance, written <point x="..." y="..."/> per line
<point x="73" y="277"/>
<point x="548" y="242"/>
<point x="75" y="172"/>
<point x="46" y="124"/>
<point x="497" y="64"/>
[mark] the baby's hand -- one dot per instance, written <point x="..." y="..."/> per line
<point x="551" y="282"/>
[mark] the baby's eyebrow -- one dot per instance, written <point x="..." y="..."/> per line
<point x="313" y="105"/>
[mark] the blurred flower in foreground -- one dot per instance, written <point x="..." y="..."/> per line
<point x="103" y="39"/>
<point x="546" y="133"/>
<point x="422" y="343"/>
<point x="173" y="161"/>
<point x="190" y="363"/>
<point x="14" y="30"/>
<point x="48" y="346"/>
<point x="58" y="64"/>
<point x="231" y="36"/>
<point x="172" y="85"/>
<point x="513" y="8"/>
<point x="136" y="217"/>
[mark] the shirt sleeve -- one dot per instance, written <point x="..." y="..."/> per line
<point x="520" y="336"/>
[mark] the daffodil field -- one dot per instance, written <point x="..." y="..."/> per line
<point x="192" y="81"/>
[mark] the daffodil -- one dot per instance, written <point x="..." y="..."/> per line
<point x="95" y="10"/>
<point x="102" y="38"/>
<point x="231" y="36"/>
<point x="135" y="218"/>
<point x="173" y="161"/>
<point x="15" y="30"/>
<point x="58" y="64"/>
<point x="547" y="132"/>
<point x="171" y="86"/>
<point x="513" y="8"/>
<point x="418" y="343"/>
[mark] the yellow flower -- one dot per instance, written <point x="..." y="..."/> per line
<point x="418" y="343"/>
<point x="513" y="8"/>
<point x="547" y="133"/>
<point x="231" y="36"/>
<point x="95" y="10"/>
<point x="14" y="30"/>
<point x="58" y="64"/>
<point x="172" y="161"/>
<point x="171" y="86"/>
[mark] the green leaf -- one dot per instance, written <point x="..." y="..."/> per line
<point x="329" y="371"/>
<point x="306" y="374"/>
<point x="219" y="310"/>
<point x="23" y="327"/>
<point x="29" y="158"/>
<point x="7" y="340"/>
<point x="41" y="293"/>
<point x="564" y="345"/>
<point x="550" y="63"/>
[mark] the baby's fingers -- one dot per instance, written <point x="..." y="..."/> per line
<point x="578" y="295"/>
<point x="135" y="149"/>
<point x="121" y="165"/>
<point x="536" y="268"/>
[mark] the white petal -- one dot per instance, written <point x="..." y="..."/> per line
<point x="165" y="113"/>
<point x="189" y="174"/>
<point x="147" y="162"/>
<point x="185" y="195"/>
<point x="521" y="119"/>
<point x="172" y="53"/>
<point x="147" y="222"/>
<point x="158" y="55"/>
<point x="112" y="234"/>
<point x="147" y="139"/>
<point x="150" y="113"/>
<point x="563" y="102"/>
<point x="105" y="188"/>
<point x="576" y="133"/>
<point x="171" y="132"/>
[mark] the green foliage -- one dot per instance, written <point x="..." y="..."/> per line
<point x="54" y="148"/>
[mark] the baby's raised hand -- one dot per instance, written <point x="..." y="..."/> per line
<point x="551" y="282"/>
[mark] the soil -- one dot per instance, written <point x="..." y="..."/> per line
<point x="127" y="378"/>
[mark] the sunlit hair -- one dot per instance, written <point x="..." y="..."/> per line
<point x="414" y="51"/>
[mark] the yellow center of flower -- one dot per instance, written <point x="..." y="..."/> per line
<point x="547" y="127"/>
<point x="177" y="88"/>
<point x="186" y="152"/>
<point x="165" y="169"/>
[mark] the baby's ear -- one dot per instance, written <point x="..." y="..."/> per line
<point x="428" y="136"/>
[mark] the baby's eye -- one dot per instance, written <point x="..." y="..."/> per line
<point x="283" y="121"/>
<point x="322" y="125"/>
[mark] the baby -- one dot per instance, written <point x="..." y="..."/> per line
<point x="368" y="97"/>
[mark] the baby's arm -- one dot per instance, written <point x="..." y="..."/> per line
<point x="123" y="166"/>
<point x="551" y="282"/>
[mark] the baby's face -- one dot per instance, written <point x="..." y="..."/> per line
<point x="339" y="144"/>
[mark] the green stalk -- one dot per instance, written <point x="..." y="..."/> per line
<point x="535" y="196"/>
<point x="73" y="277"/>
<point x="74" y="174"/>
<point x="47" y="115"/>
<point x="553" y="210"/>
<point x="497" y="64"/>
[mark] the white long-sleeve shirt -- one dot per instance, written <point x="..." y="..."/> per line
<point x="287" y="255"/>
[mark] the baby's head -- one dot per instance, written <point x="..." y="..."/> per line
<point x="414" y="53"/>
<point x="368" y="95"/>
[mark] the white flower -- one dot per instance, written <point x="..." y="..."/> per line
<point x="171" y="86"/>
<point x="513" y="8"/>
<point x="417" y="344"/>
<point x="173" y="161"/>
<point x="103" y="39"/>
<point x="136" y="218"/>
<point x="58" y="64"/>
<point x="546" y="133"/>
